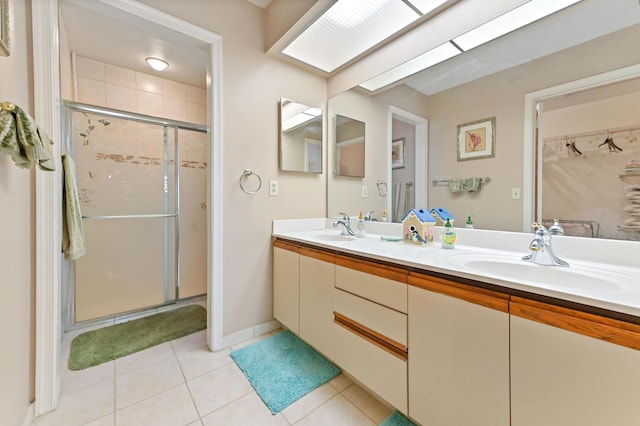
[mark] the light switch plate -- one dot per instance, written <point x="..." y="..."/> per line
<point x="365" y="192"/>
<point x="273" y="188"/>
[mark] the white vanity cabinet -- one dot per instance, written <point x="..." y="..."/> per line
<point x="316" y="299"/>
<point x="572" y="368"/>
<point x="458" y="354"/>
<point x="370" y="330"/>
<point x="286" y="276"/>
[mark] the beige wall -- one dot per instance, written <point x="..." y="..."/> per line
<point x="252" y="87"/>
<point x="17" y="227"/>
<point x="502" y="95"/>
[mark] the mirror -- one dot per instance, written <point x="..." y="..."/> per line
<point x="500" y="94"/>
<point x="349" y="147"/>
<point x="300" y="137"/>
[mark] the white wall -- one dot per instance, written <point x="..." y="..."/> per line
<point x="253" y="84"/>
<point x="17" y="227"/>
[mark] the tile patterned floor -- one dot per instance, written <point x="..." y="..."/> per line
<point x="182" y="383"/>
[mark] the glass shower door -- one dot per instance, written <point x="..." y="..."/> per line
<point x="127" y="181"/>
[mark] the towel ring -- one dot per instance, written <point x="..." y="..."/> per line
<point x="382" y="192"/>
<point x="245" y="175"/>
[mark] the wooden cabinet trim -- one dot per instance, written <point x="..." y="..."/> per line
<point x="479" y="296"/>
<point x="285" y="245"/>
<point x="381" y="270"/>
<point x="317" y="254"/>
<point x="394" y="348"/>
<point x="602" y="328"/>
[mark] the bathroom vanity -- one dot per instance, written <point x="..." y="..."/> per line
<point x="472" y="335"/>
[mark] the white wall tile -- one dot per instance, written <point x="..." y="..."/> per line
<point x="196" y="113"/>
<point x="91" y="68"/>
<point x="91" y="91"/>
<point x="174" y="89"/>
<point x="175" y="109"/>
<point x="197" y="95"/>
<point x="148" y="103"/>
<point x="148" y="83"/>
<point x="120" y="97"/>
<point x="120" y="76"/>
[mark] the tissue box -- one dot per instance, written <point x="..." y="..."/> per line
<point x="417" y="227"/>
<point x="441" y="215"/>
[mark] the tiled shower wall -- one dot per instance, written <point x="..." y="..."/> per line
<point x="112" y="86"/>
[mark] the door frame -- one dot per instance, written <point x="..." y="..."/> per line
<point x="48" y="188"/>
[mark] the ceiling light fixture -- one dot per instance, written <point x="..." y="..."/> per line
<point x="511" y="21"/>
<point x="347" y="29"/>
<point x="426" y="60"/>
<point x="157" y="63"/>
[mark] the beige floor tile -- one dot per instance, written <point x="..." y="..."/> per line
<point x="108" y="420"/>
<point x="218" y="388"/>
<point x="78" y="379"/>
<point x="250" y="341"/>
<point x="341" y="382"/>
<point x="190" y="342"/>
<point x="155" y="354"/>
<point x="367" y="403"/>
<point x="81" y="406"/>
<point x="308" y="403"/>
<point x="201" y="361"/>
<point x="248" y="410"/>
<point x="147" y="381"/>
<point x="171" y="408"/>
<point x="337" y="412"/>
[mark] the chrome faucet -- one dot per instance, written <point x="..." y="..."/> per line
<point x="369" y="218"/>
<point x="542" y="253"/>
<point x="346" y="225"/>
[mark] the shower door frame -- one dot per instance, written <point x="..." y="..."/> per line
<point x="68" y="285"/>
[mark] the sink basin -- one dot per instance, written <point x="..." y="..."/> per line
<point x="514" y="268"/>
<point x="335" y="237"/>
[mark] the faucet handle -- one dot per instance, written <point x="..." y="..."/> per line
<point x="345" y="216"/>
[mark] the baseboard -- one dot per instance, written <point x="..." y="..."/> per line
<point x="28" y="420"/>
<point x="249" y="333"/>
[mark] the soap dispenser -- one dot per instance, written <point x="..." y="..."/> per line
<point x="448" y="236"/>
<point x="361" y="226"/>
<point x="384" y="216"/>
<point x="469" y="223"/>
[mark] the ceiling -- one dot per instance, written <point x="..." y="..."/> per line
<point x="98" y="31"/>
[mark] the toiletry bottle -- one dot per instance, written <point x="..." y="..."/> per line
<point x="384" y="216"/>
<point x="448" y="236"/>
<point x="469" y="223"/>
<point x="361" y="232"/>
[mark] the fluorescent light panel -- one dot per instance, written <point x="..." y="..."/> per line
<point x="428" y="59"/>
<point x="347" y="29"/>
<point x="511" y="21"/>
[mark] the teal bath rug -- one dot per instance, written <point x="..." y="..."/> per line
<point x="282" y="369"/>
<point x="397" y="419"/>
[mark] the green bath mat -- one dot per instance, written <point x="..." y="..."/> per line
<point x="397" y="419"/>
<point x="282" y="369"/>
<point x="109" y="343"/>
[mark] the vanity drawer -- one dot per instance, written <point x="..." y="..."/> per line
<point x="377" y="318"/>
<point x="390" y="290"/>
<point x="380" y="371"/>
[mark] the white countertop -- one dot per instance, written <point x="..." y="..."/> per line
<point x="602" y="273"/>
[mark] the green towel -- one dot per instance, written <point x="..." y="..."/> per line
<point x="73" y="242"/>
<point x="23" y="140"/>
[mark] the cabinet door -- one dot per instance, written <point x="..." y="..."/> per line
<point x="458" y="355"/>
<point x="561" y="377"/>
<point x="316" y="300"/>
<point x="285" y="285"/>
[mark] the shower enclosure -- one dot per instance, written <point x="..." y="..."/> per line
<point x="142" y="185"/>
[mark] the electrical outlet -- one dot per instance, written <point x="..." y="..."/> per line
<point x="273" y="188"/>
<point x="515" y="193"/>
<point x="365" y="192"/>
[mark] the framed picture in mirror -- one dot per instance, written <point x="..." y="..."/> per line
<point x="4" y="28"/>
<point x="477" y="139"/>
<point x="397" y="154"/>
